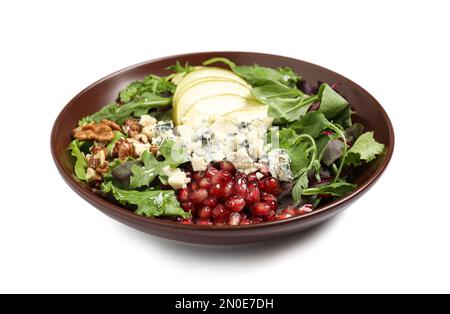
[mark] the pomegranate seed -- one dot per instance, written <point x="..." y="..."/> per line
<point x="204" y="222"/>
<point x="271" y="217"/>
<point x="205" y="212"/>
<point x="270" y="200"/>
<point x="253" y="195"/>
<point x="204" y="183"/>
<point x="240" y="187"/>
<point x="210" y="202"/>
<point x="234" y="219"/>
<point x="270" y="185"/>
<point x="198" y="175"/>
<point x="219" y="223"/>
<point x="227" y="189"/>
<point x="260" y="209"/>
<point x="235" y="203"/>
<point x="221" y="176"/>
<point x="183" y="194"/>
<point x="245" y="221"/>
<point x="198" y="196"/>
<point x="252" y="177"/>
<point x="215" y="191"/>
<point x="188" y="206"/>
<point x="256" y="220"/>
<point x="219" y="212"/>
<point x="286" y="213"/>
<point x="185" y="221"/>
<point x="228" y="166"/>
<point x="193" y="186"/>
<point x="210" y="171"/>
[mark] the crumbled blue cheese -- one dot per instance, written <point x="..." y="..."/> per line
<point x="162" y="130"/>
<point x="280" y="165"/>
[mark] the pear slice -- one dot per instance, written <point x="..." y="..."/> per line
<point x="213" y="107"/>
<point x="204" y="89"/>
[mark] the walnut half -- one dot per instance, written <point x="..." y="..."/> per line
<point x="100" y="132"/>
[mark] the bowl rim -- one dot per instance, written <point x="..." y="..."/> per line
<point x="105" y="205"/>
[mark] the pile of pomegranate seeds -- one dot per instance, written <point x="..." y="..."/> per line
<point x="223" y="196"/>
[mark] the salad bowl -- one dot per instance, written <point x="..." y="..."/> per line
<point x="367" y="111"/>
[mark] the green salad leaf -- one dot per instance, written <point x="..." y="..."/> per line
<point x="106" y="112"/>
<point x="81" y="164"/>
<point x="151" y="84"/>
<point x="152" y="168"/>
<point x="257" y="75"/>
<point x="331" y="103"/>
<point x="335" y="189"/>
<point x="365" y="149"/>
<point x="286" y="104"/>
<point x="300" y="185"/>
<point x="296" y="148"/>
<point x="150" y="203"/>
<point x="139" y="106"/>
<point x="313" y="123"/>
<point x="179" y="68"/>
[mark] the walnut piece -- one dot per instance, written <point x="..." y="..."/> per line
<point x="132" y="127"/>
<point x="100" y="132"/>
<point x="123" y="149"/>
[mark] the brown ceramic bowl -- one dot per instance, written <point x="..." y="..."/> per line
<point x="368" y="111"/>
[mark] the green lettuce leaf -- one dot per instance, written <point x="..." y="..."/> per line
<point x="335" y="189"/>
<point x="364" y="149"/>
<point x="286" y="104"/>
<point x="81" y="164"/>
<point x="152" y="168"/>
<point x="296" y="149"/>
<point x="313" y="123"/>
<point x="150" y="203"/>
<point x="331" y="103"/>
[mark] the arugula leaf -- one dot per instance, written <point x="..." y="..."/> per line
<point x="257" y="75"/>
<point x="286" y="104"/>
<point x="150" y="203"/>
<point x="104" y="113"/>
<point x="300" y="185"/>
<point x="152" y="168"/>
<point x="179" y="68"/>
<point x="313" y="123"/>
<point x="331" y="103"/>
<point x="140" y="105"/>
<point x="335" y="189"/>
<point x="151" y="84"/>
<point x="81" y="164"/>
<point x="364" y="149"/>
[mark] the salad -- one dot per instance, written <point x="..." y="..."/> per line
<point x="233" y="145"/>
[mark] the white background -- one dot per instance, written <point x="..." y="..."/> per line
<point x="394" y="239"/>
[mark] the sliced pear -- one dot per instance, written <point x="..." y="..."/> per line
<point x="202" y="73"/>
<point x="211" y="107"/>
<point x="204" y="89"/>
<point x="248" y="113"/>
